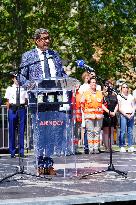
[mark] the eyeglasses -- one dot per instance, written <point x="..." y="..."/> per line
<point x="124" y="87"/>
<point x="44" y="38"/>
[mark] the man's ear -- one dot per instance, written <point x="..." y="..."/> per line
<point x="36" y="41"/>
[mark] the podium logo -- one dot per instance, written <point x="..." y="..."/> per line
<point x="51" y="123"/>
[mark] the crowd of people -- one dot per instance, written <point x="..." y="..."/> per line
<point x="103" y="110"/>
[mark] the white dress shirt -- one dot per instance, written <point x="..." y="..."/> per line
<point x="50" y="62"/>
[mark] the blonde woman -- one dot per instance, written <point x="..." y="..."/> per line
<point x="83" y="88"/>
<point x="127" y="110"/>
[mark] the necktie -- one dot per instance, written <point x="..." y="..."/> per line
<point x="46" y="66"/>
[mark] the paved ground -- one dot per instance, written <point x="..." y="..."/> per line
<point x="75" y="183"/>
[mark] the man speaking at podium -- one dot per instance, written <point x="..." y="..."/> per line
<point x="33" y="64"/>
<point x="38" y="64"/>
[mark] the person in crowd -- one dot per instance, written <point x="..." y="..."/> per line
<point x="76" y="102"/>
<point x="134" y="95"/>
<point x="92" y="74"/>
<point x="84" y="87"/>
<point x="127" y="110"/>
<point x="92" y="106"/>
<point x="86" y="77"/>
<point x="109" y="123"/>
<point x="16" y="115"/>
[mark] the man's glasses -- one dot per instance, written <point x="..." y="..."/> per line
<point x="44" y="38"/>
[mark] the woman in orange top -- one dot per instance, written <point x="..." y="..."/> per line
<point x="92" y="106"/>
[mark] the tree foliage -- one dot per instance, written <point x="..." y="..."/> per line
<point x="101" y="32"/>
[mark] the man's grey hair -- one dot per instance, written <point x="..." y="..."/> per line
<point x="39" y="31"/>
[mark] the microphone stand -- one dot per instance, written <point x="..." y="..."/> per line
<point x="111" y="166"/>
<point x="20" y="168"/>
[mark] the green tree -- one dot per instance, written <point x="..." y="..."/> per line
<point x="78" y="30"/>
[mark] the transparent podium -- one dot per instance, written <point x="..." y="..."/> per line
<point x="51" y="106"/>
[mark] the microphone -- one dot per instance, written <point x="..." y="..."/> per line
<point x="116" y="92"/>
<point x="82" y="64"/>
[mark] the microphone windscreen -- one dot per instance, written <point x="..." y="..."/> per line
<point x="80" y="63"/>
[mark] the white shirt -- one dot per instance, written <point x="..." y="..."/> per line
<point x="86" y="86"/>
<point x="127" y="106"/>
<point x="50" y="62"/>
<point x="134" y="93"/>
<point x="83" y="88"/>
<point x="11" y="94"/>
